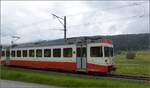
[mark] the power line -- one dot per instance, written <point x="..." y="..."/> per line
<point x="112" y="8"/>
<point x="91" y="23"/>
<point x="32" y="24"/>
<point x="110" y="20"/>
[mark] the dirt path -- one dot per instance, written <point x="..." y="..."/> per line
<point x="16" y="84"/>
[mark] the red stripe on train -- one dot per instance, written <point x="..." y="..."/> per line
<point x="2" y="62"/>
<point x="97" y="68"/>
<point x="68" y="66"/>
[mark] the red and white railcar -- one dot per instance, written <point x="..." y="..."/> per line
<point x="76" y="55"/>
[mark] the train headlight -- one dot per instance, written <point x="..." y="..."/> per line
<point x="106" y="60"/>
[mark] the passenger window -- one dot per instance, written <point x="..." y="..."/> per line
<point x="3" y="53"/>
<point x="57" y="52"/>
<point x="81" y="52"/>
<point x="47" y="52"/>
<point x="67" y="52"/>
<point x="39" y="53"/>
<point x="18" y="53"/>
<point x="13" y="53"/>
<point x="8" y="53"/>
<point x="31" y="53"/>
<point x="24" y="53"/>
<point x="96" y="51"/>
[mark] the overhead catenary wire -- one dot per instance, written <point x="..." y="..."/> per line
<point x="109" y="20"/>
<point x="111" y="8"/>
<point x="91" y="23"/>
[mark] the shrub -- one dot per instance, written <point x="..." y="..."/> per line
<point x="131" y="55"/>
<point x="118" y="52"/>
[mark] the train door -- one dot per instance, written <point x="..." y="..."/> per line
<point x="7" y="56"/>
<point x="81" y="58"/>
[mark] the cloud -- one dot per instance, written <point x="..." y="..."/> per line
<point x="32" y="20"/>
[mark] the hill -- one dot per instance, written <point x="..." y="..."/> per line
<point x="131" y="41"/>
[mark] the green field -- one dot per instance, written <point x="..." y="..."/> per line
<point x="66" y="80"/>
<point x="138" y="66"/>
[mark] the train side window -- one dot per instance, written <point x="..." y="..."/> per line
<point x="47" y="52"/>
<point x="57" y="52"/>
<point x="3" y="53"/>
<point x="8" y="53"/>
<point x="18" y="53"/>
<point x="13" y="53"/>
<point x="31" y="53"/>
<point x="96" y="51"/>
<point x="39" y="53"/>
<point x="24" y="53"/>
<point x="67" y="52"/>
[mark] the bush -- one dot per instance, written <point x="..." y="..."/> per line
<point x="118" y="52"/>
<point x="131" y="55"/>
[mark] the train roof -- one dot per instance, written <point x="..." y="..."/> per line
<point x="73" y="40"/>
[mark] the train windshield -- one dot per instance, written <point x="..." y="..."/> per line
<point x="96" y="51"/>
<point x="108" y="52"/>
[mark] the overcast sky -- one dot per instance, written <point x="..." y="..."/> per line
<point x="32" y="20"/>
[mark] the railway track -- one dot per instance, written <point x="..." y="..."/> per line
<point x="110" y="76"/>
<point x="130" y="77"/>
<point x="97" y="76"/>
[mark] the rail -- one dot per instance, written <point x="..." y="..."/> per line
<point x="129" y="77"/>
<point x="97" y="76"/>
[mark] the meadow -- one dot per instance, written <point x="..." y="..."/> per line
<point x="66" y="80"/>
<point x="140" y="65"/>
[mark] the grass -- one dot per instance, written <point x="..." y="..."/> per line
<point x="138" y="66"/>
<point x="66" y="80"/>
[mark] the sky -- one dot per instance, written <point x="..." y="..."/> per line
<point x="33" y="20"/>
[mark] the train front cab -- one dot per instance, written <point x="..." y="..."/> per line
<point x="108" y="58"/>
<point x="96" y="57"/>
<point x="100" y="57"/>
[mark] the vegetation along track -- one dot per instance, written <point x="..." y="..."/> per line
<point x="97" y="76"/>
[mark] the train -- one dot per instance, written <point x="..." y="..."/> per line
<point x="84" y="54"/>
